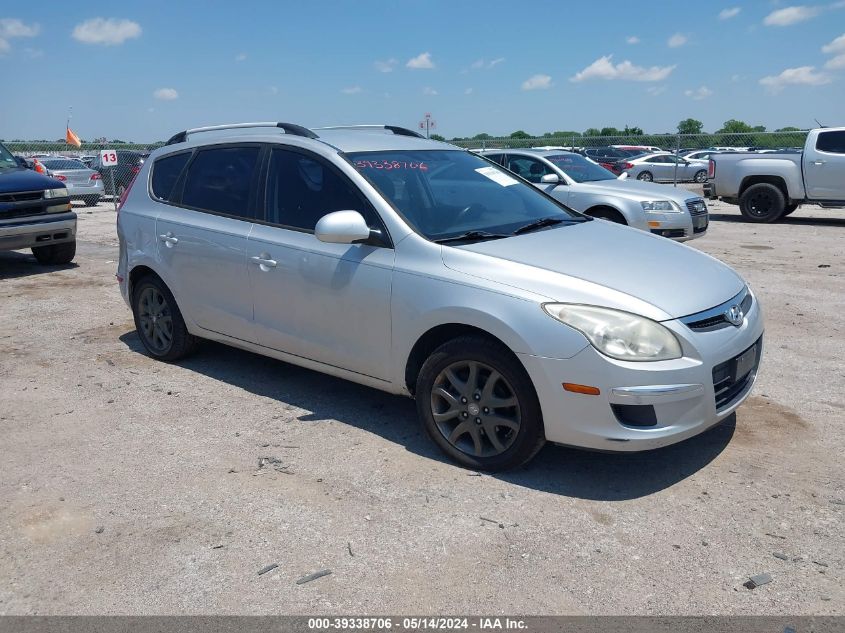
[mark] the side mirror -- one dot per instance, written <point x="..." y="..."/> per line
<point x="342" y="227"/>
<point x="623" y="176"/>
<point x="550" y="179"/>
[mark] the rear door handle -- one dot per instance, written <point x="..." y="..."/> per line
<point x="169" y="239"/>
<point x="264" y="261"/>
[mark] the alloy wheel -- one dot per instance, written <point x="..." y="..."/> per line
<point x="155" y="319"/>
<point x="475" y="408"/>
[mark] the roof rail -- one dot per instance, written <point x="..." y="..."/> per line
<point x="289" y="128"/>
<point x="398" y="131"/>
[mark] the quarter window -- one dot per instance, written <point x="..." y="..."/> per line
<point x="301" y="190"/>
<point x="166" y="172"/>
<point x="220" y="180"/>
<point x="833" y="142"/>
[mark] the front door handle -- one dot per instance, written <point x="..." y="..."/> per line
<point x="169" y="240"/>
<point x="818" y="162"/>
<point x="264" y="261"/>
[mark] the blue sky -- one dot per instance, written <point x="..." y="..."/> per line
<point x="144" y="70"/>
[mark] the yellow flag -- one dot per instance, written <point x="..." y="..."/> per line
<point x="72" y="138"/>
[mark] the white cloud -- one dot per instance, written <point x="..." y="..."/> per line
<point x="482" y="63"/>
<point x="11" y="28"/>
<point x="166" y="94"/>
<point x="273" y="90"/>
<point x="836" y="46"/>
<point x="655" y="90"/>
<point x="633" y="39"/>
<point x="537" y="82"/>
<point x="836" y="63"/>
<point x="702" y="92"/>
<point x="727" y="14"/>
<point x="736" y="78"/>
<point x="468" y="91"/>
<point x="385" y="66"/>
<point x="478" y="63"/>
<point x="352" y="90"/>
<point x="428" y="91"/>
<point x="604" y="68"/>
<point x="240" y="57"/>
<point x="791" y="15"/>
<point x="803" y="75"/>
<point x="108" y="32"/>
<point x="421" y="62"/>
<point x="678" y="39"/>
<point x="33" y="53"/>
<point x="495" y="62"/>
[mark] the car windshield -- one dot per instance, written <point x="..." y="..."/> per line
<point x="447" y="194"/>
<point x="64" y="164"/>
<point x="579" y="168"/>
<point x="7" y="161"/>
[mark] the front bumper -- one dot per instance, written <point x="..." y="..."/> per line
<point x="678" y="397"/>
<point x="680" y="227"/>
<point x="40" y="230"/>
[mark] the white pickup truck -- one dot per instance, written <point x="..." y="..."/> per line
<point x="768" y="187"/>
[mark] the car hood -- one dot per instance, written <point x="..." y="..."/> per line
<point x="635" y="189"/>
<point x="601" y="263"/>
<point x="20" y="179"/>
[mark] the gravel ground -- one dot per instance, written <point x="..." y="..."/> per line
<point x="135" y="487"/>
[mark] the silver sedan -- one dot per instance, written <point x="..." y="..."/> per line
<point x="665" y="167"/>
<point x="82" y="182"/>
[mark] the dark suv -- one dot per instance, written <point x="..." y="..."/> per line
<point x="35" y="212"/>
<point x="129" y="162"/>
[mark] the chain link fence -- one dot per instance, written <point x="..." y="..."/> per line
<point x="131" y="153"/>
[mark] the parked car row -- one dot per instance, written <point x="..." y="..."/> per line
<point x="415" y="267"/>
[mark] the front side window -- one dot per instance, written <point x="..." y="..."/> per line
<point x="444" y="194"/>
<point x="220" y="180"/>
<point x="166" y="172"/>
<point x="302" y="189"/>
<point x="7" y="161"/>
<point x="833" y="142"/>
<point x="531" y="169"/>
<point x="579" y="168"/>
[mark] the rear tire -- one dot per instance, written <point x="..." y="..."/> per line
<point x="159" y="322"/>
<point x="478" y="404"/>
<point x="55" y="254"/>
<point x="762" y="203"/>
<point x="91" y="201"/>
<point x="700" y="176"/>
<point x="646" y="176"/>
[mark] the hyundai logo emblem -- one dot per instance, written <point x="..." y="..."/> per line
<point x="734" y="315"/>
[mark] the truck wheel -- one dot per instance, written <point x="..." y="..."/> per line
<point x="55" y="254"/>
<point x="790" y="208"/>
<point x="477" y="403"/>
<point x="762" y="203"/>
<point x="646" y="176"/>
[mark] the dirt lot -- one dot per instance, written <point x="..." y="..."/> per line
<point x="131" y="486"/>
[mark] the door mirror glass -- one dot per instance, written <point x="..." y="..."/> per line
<point x="342" y="227"/>
<point x="550" y="179"/>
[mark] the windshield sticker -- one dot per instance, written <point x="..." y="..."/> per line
<point x="390" y="165"/>
<point x="497" y="176"/>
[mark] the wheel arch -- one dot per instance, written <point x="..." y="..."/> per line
<point x="777" y="181"/>
<point x="608" y="208"/>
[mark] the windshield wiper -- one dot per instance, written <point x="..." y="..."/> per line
<point x="471" y="236"/>
<point x="539" y="224"/>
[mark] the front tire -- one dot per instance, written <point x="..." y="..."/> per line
<point x="645" y="176"/>
<point x="762" y="203"/>
<point x="477" y="403"/>
<point x="55" y="254"/>
<point x="159" y="322"/>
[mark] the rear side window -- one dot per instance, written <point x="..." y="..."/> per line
<point x="220" y="180"/>
<point x="833" y="142"/>
<point x="166" y="172"/>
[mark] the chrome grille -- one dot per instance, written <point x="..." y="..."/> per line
<point x="714" y="318"/>
<point x="696" y="206"/>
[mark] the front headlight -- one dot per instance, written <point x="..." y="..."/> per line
<point x="59" y="192"/>
<point x="661" y="206"/>
<point x="618" y="334"/>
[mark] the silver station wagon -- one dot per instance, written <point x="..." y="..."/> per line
<point x="415" y="267"/>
